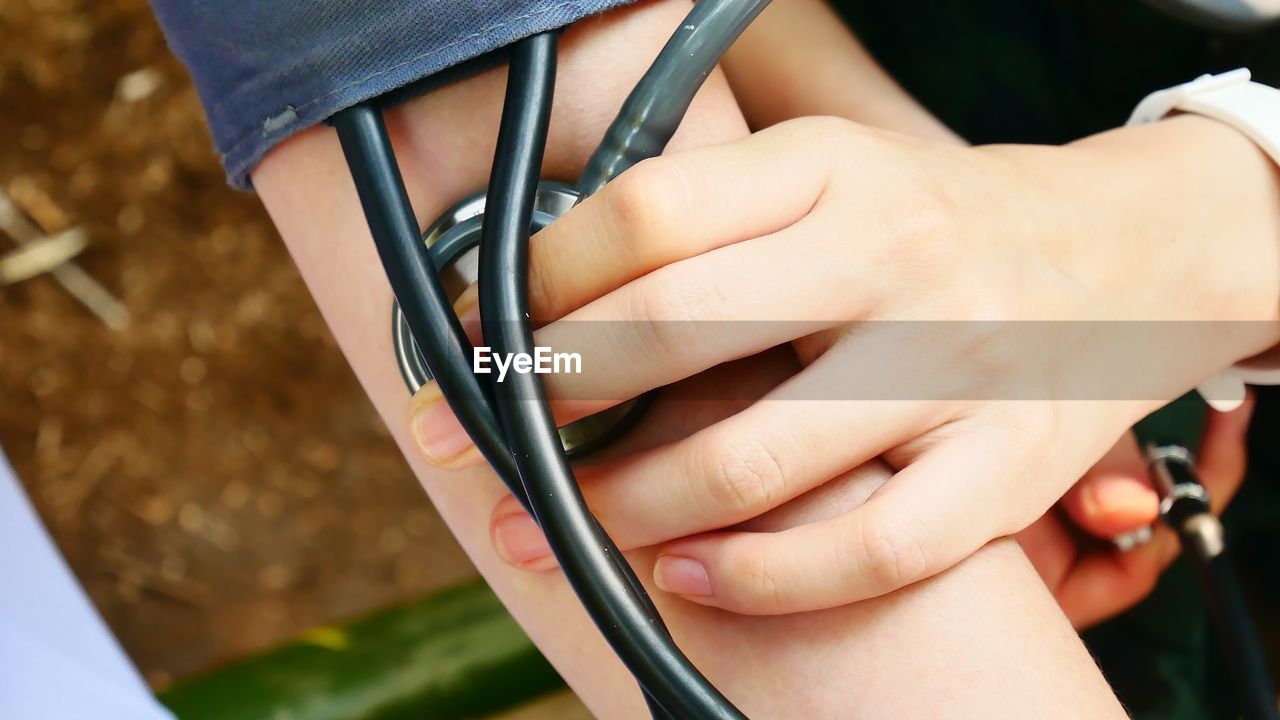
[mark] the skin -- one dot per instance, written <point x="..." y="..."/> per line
<point x="741" y="210"/>
<point x="944" y="647"/>
<point x="798" y="59"/>
<point x="953" y="258"/>
<point x="1091" y="580"/>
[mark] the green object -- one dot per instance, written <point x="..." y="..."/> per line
<point x="456" y="654"/>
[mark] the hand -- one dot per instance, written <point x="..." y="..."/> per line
<point x="675" y="268"/>
<point x="441" y="141"/>
<point x="1092" y="579"/>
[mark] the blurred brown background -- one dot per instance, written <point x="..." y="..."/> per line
<point x="213" y="473"/>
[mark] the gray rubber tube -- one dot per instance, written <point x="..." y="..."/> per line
<point x="1223" y="15"/>
<point x="654" y="109"/>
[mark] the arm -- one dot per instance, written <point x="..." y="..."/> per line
<point x="800" y="59"/>
<point x="949" y="646"/>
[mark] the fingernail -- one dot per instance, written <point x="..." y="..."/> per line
<point x="1123" y="497"/>
<point x="438" y="433"/>
<point x="520" y="542"/>
<point x="681" y="576"/>
<point x="467" y="301"/>
<point x="467" y="308"/>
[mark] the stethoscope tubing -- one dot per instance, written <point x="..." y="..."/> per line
<point x="1185" y="508"/>
<point x="512" y="424"/>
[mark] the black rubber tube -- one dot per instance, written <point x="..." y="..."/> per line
<point x="1185" y="507"/>
<point x="446" y="349"/>
<point x="362" y="133"/>
<point x="371" y="159"/>
<point x="602" y="580"/>
<point x="1237" y="635"/>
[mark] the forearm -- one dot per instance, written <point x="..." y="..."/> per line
<point x="798" y="59"/>
<point x="951" y="646"/>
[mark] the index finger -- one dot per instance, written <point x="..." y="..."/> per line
<point x="674" y="207"/>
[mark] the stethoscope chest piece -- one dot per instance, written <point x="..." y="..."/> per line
<point x="454" y="242"/>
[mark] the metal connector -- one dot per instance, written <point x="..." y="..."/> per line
<point x="454" y="242"/>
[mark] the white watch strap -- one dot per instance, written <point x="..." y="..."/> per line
<point x="1251" y="108"/>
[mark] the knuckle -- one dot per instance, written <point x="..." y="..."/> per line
<point x="830" y="142"/>
<point x="671" y="306"/>
<point x="990" y="346"/>
<point x="1027" y="439"/>
<point x="824" y="130"/>
<point x="927" y="228"/>
<point x="918" y="245"/>
<point x="678" y="297"/>
<point x="995" y="308"/>
<point x="643" y="199"/>
<point x="744" y="477"/>
<point x="893" y="556"/>
<point x="855" y="145"/>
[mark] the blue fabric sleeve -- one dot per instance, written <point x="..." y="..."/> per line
<point x="267" y="69"/>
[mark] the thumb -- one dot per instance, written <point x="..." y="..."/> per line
<point x="1115" y="496"/>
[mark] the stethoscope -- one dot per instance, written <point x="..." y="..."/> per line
<point x="485" y="238"/>
<point x="1224" y="15"/>
<point x="1184" y="507"/>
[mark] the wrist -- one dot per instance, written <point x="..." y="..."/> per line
<point x="1177" y="221"/>
<point x="1181" y="220"/>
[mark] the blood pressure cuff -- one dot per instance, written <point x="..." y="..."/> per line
<point x="266" y="69"/>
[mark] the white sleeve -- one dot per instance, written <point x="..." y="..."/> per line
<point x="58" y="659"/>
